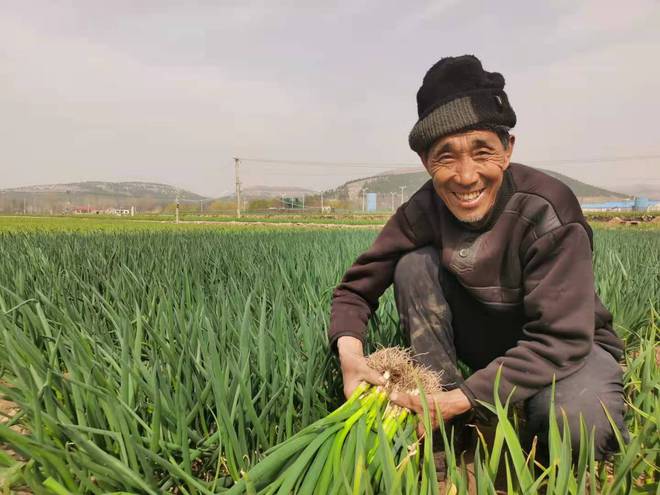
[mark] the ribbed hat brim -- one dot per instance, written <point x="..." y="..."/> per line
<point x="483" y="107"/>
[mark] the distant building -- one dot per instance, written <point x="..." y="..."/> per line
<point x="292" y="203"/>
<point x="372" y="201"/>
<point x="118" y="211"/>
<point x="636" y="204"/>
<point x="83" y="209"/>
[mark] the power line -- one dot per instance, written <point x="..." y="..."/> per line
<point x="278" y="166"/>
<point x="596" y="160"/>
<point x="557" y="161"/>
<point x="182" y="200"/>
<point x="316" y="163"/>
<point x="308" y="174"/>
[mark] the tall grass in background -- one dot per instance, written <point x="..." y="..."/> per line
<point x="157" y="361"/>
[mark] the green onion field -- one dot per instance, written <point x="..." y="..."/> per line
<point x="169" y="359"/>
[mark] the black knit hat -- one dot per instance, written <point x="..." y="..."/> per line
<point x="457" y="94"/>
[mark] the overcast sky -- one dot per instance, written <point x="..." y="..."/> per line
<point x="170" y="91"/>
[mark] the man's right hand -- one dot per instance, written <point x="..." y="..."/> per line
<point x="354" y="367"/>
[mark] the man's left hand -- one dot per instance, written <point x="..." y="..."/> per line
<point x="447" y="404"/>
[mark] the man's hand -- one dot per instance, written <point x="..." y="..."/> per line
<point x="448" y="404"/>
<point x="354" y="366"/>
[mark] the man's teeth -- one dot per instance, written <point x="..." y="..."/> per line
<point x="468" y="196"/>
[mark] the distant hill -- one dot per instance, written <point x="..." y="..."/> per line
<point x="391" y="182"/>
<point x="155" y="197"/>
<point x="145" y="196"/>
<point x="115" y="189"/>
<point x="649" y="190"/>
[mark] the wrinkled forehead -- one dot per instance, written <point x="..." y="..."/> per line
<point x="465" y="141"/>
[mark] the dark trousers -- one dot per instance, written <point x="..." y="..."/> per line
<point x="444" y="324"/>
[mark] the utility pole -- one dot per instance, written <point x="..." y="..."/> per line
<point x="201" y="206"/>
<point x="238" y="187"/>
<point x="393" y="194"/>
<point x="402" y="188"/>
<point x="321" y="201"/>
<point x="364" y="196"/>
<point x="176" y="214"/>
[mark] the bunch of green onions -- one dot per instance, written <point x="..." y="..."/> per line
<point x="368" y="445"/>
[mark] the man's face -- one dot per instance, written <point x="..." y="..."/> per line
<point x="467" y="171"/>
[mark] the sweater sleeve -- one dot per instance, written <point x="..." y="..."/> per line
<point x="356" y="297"/>
<point x="559" y="307"/>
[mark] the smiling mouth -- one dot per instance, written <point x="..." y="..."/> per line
<point x="469" y="197"/>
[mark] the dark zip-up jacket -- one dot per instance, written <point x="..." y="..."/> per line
<point x="530" y="263"/>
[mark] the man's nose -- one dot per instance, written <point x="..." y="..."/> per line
<point x="466" y="172"/>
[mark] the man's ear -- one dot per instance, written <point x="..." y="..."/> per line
<point x="509" y="151"/>
<point x="423" y="156"/>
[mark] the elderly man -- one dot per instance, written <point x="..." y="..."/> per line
<point x="492" y="265"/>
